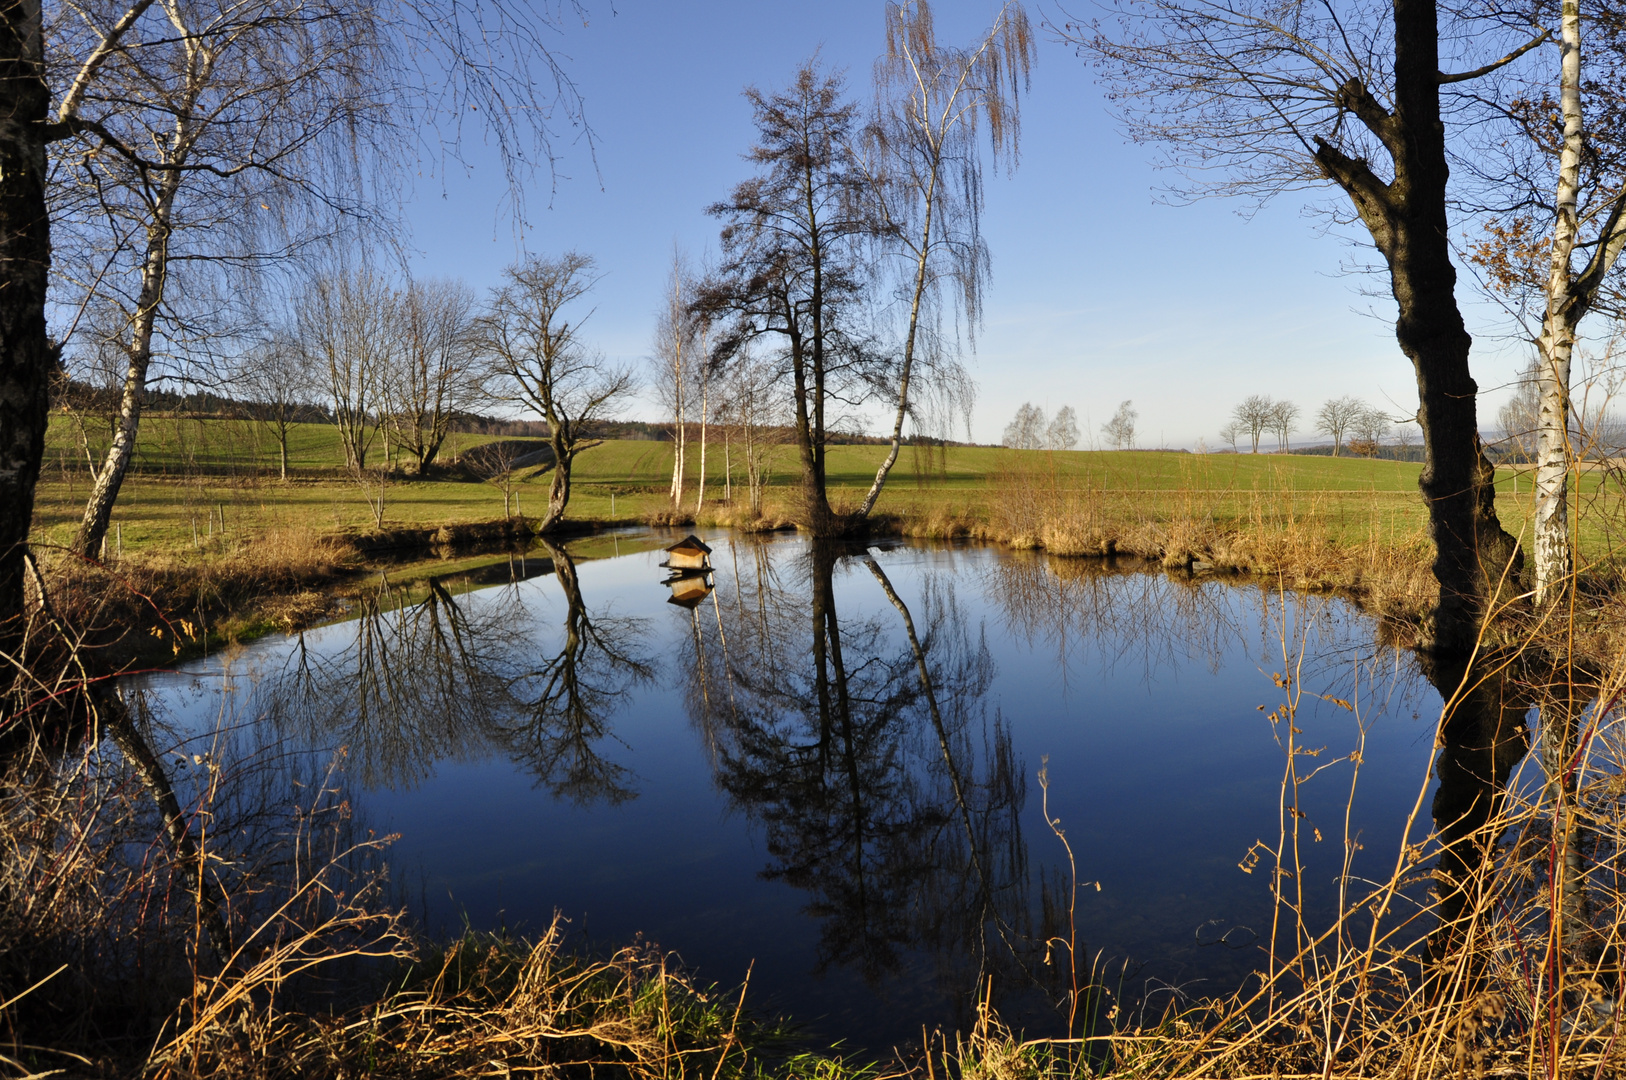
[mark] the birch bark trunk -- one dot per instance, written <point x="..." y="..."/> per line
<point x="908" y="355"/>
<point x="155" y="267"/>
<point x="705" y="405"/>
<point x="1554" y="452"/>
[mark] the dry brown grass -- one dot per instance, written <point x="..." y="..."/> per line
<point x="165" y="913"/>
<point x="1288" y="537"/>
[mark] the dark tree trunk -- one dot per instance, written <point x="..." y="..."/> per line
<point x="809" y="433"/>
<point x="562" y="439"/>
<point x="26" y="354"/>
<point x="1408" y="222"/>
<point x="1481" y="738"/>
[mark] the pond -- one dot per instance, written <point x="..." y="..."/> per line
<point x="832" y="766"/>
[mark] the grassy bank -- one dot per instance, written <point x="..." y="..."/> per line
<point x="205" y="499"/>
<point x="187" y="472"/>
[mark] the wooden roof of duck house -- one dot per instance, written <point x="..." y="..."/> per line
<point x="687" y="554"/>
<point x="689" y="591"/>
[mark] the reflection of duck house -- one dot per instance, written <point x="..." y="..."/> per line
<point x="687" y="556"/>
<point x="689" y="590"/>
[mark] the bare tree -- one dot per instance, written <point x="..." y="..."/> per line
<point x="755" y="408"/>
<point x="537" y="359"/>
<point x="349" y="332"/>
<point x="703" y="379"/>
<point x="1253" y="416"/>
<point x="1027" y="430"/>
<point x="219" y="138"/>
<point x="1370" y="427"/>
<point x="677" y="355"/>
<point x="1405" y="437"/>
<point x="1120" y="430"/>
<point x="793" y="270"/>
<point x="433" y="374"/>
<point x="493" y="462"/>
<point x="276" y="377"/>
<point x="488" y="58"/>
<point x="1269" y="99"/>
<point x="1567" y="199"/>
<point x="1520" y="415"/>
<point x="1336" y="417"/>
<point x="925" y="172"/>
<point x="1062" y="434"/>
<point x="1284" y="416"/>
<point x="1233" y="431"/>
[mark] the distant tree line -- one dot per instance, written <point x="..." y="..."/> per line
<point x="1348" y="421"/>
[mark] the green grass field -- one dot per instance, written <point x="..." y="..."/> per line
<point x="192" y="474"/>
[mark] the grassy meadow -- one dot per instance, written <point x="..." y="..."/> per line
<point x="190" y="476"/>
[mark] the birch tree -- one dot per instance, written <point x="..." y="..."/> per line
<point x="1120" y="429"/>
<point x="755" y="408"/>
<point x="676" y="356"/>
<point x="538" y="360"/>
<point x="1062" y="434"/>
<point x="1026" y="431"/>
<point x="1258" y="98"/>
<point x="220" y="138"/>
<point x="1559" y="248"/>
<point x="924" y="169"/>
<point x="444" y="66"/>
<point x="204" y="111"/>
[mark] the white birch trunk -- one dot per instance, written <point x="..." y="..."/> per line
<point x="908" y="354"/>
<point x="705" y="406"/>
<point x="155" y="265"/>
<point x="1553" y="449"/>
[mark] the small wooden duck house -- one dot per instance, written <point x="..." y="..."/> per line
<point x="687" y="554"/>
<point x="689" y="591"/>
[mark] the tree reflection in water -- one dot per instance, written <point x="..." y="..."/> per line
<point x="452" y="678"/>
<point x="882" y="787"/>
<point x="568" y="699"/>
<point x="1537" y="856"/>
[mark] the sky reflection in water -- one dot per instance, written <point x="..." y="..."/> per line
<point x="765" y="778"/>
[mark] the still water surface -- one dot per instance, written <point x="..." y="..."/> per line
<point x="828" y="770"/>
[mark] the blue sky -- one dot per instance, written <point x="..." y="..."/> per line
<point x="1101" y="291"/>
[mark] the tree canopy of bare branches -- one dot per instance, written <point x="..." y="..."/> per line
<point x="536" y="359"/>
<point x="1120" y="429"/>
<point x="1255" y="98"/>
<point x="434" y="373"/>
<point x="1027" y="429"/>
<point x="1337" y="417"/>
<point x="792" y="271"/>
